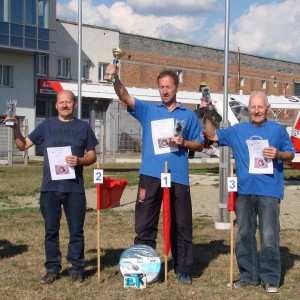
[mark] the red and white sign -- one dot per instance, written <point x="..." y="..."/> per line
<point x="49" y="87"/>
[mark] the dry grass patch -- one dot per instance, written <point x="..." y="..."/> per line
<point x="22" y="258"/>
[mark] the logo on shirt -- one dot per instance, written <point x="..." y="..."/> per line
<point x="141" y="194"/>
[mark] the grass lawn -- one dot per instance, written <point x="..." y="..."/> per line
<point x="22" y="250"/>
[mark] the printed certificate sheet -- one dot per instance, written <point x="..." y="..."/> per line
<point x="258" y="163"/>
<point x="58" y="167"/>
<point x="162" y="131"/>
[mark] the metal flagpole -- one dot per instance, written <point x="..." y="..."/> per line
<point x="79" y="57"/>
<point x="223" y="222"/>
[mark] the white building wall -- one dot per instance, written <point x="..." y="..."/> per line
<point x="23" y="89"/>
<point x="97" y="45"/>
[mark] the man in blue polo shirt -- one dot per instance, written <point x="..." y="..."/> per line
<point x="169" y="131"/>
<point x="259" y="149"/>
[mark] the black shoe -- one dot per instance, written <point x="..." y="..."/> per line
<point x="184" y="278"/>
<point x="49" y="278"/>
<point x="76" y="277"/>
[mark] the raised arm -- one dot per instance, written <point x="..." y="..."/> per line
<point x="120" y="89"/>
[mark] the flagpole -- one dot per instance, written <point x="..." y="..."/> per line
<point x="224" y="152"/>
<point x="79" y="100"/>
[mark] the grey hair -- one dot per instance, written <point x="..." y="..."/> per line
<point x="261" y="93"/>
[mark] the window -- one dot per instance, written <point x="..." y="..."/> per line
<point x="86" y="69"/>
<point x="180" y="75"/>
<point x="101" y="73"/>
<point x="4" y="11"/>
<point x="264" y="84"/>
<point x="16" y="15"/>
<point x="42" y="62"/>
<point x="43" y="13"/>
<point x="6" y="76"/>
<point x="242" y="81"/>
<point x="30" y="12"/>
<point x="63" y="67"/>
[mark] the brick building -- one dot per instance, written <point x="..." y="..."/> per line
<point x="146" y="56"/>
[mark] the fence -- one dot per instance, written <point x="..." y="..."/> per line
<point x="120" y="135"/>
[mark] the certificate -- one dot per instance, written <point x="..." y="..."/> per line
<point x="59" y="169"/>
<point x="162" y="132"/>
<point x="258" y="163"/>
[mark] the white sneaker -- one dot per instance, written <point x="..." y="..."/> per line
<point x="271" y="288"/>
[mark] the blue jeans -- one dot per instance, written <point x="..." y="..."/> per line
<point x="266" y="266"/>
<point x="74" y="205"/>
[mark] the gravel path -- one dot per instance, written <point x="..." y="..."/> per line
<point x="205" y="198"/>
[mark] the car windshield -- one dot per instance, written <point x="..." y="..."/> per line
<point x="240" y="110"/>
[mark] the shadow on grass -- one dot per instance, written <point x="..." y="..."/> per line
<point x="7" y="249"/>
<point x="110" y="258"/>
<point x="287" y="261"/>
<point x="205" y="253"/>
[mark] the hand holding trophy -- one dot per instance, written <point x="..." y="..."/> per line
<point x="10" y="112"/>
<point x="117" y="53"/>
<point x="206" y="97"/>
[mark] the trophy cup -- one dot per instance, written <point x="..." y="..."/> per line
<point x="117" y="53"/>
<point x="10" y="111"/>
<point x="206" y="97"/>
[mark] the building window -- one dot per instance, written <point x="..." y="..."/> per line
<point x="6" y="76"/>
<point x="25" y="24"/>
<point x="30" y="12"/>
<point x="42" y="63"/>
<point x="102" y="69"/>
<point x="180" y="75"/>
<point x="63" y="67"/>
<point x="4" y="11"/>
<point x="242" y="81"/>
<point x="16" y="11"/>
<point x="43" y="10"/>
<point x="86" y="69"/>
<point x="264" y="84"/>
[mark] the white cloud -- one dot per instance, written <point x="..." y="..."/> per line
<point x="270" y="30"/>
<point x="122" y="16"/>
<point x="267" y="30"/>
<point x="172" y="7"/>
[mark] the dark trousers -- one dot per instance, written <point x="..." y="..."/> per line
<point x="147" y="211"/>
<point x="74" y="205"/>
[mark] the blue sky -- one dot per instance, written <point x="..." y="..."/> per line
<point x="264" y="28"/>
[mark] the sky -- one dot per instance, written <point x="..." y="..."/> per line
<point x="264" y="28"/>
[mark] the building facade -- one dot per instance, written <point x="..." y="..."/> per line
<point x="39" y="56"/>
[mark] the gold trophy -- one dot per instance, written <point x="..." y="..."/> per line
<point x="10" y="111"/>
<point x="117" y="53"/>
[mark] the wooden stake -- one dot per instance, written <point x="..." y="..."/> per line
<point x="231" y="237"/>
<point x="166" y="256"/>
<point x="98" y="227"/>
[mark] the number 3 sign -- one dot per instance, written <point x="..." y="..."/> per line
<point x="232" y="184"/>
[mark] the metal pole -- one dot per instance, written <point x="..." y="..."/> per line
<point x="79" y="57"/>
<point x="223" y="222"/>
